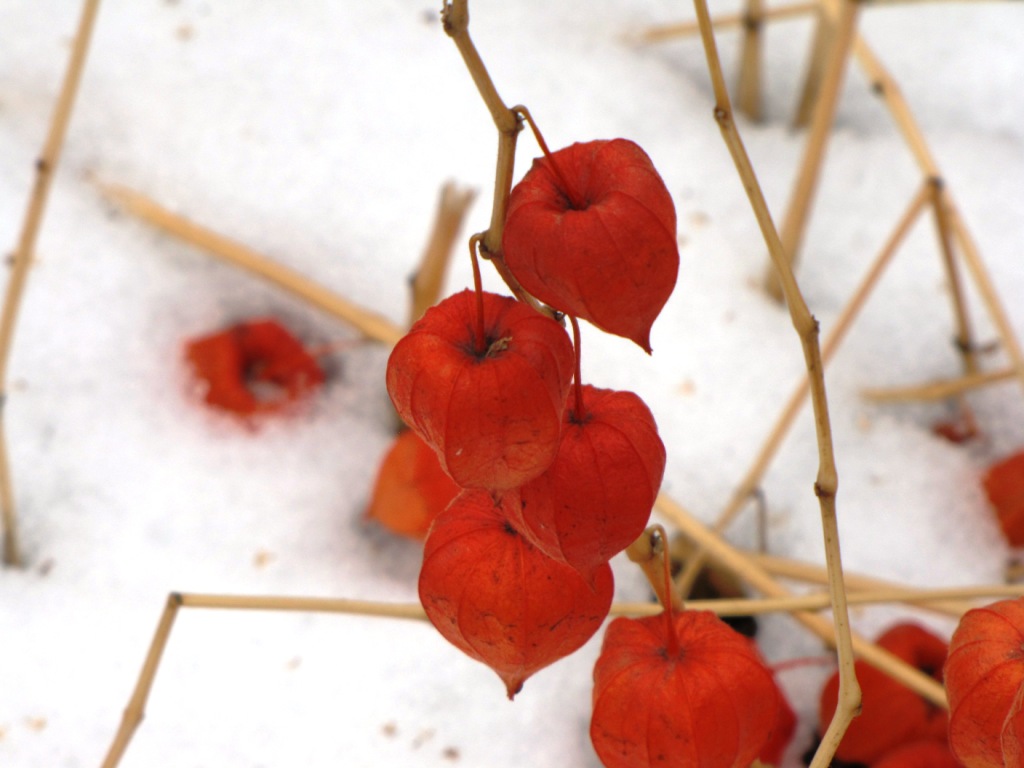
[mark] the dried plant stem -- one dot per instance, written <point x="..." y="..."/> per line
<point x="986" y="288"/>
<point x="965" y="343"/>
<point x="752" y="479"/>
<point x="455" y="18"/>
<point x="135" y="711"/>
<point x="794" y="224"/>
<point x="724" y="21"/>
<point x="370" y="324"/>
<point x="938" y="390"/>
<point x="824" y="33"/>
<point x="820" y="600"/>
<point x="136" y="708"/>
<point x="748" y="89"/>
<point x="886" y="86"/>
<point x="757" y="577"/>
<point x="806" y="326"/>
<point x="856" y="583"/>
<point x="428" y="281"/>
<point x="964" y="338"/>
<point x="46" y="166"/>
<point x="649" y="552"/>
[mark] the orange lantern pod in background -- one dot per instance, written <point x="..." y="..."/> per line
<point x="892" y="714"/>
<point x="256" y="366"/>
<point x="919" y="754"/>
<point x="1004" y="486"/>
<point x="411" y="488"/>
<point x="984" y="675"/>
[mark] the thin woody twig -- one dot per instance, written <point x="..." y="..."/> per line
<point x="938" y="390"/>
<point x="820" y="600"/>
<point x="886" y="86"/>
<point x="965" y="342"/>
<point x="46" y="166"/>
<point x="649" y="551"/>
<point x="856" y="583"/>
<point x="748" y="89"/>
<point x="723" y="21"/>
<point x="754" y="575"/>
<point x="455" y="19"/>
<point x="986" y="288"/>
<point x="370" y="324"/>
<point x="806" y="326"/>
<point x="794" y="225"/>
<point x="821" y="44"/>
<point x="752" y="479"/>
<point x="428" y="280"/>
<point x="135" y="710"/>
<point x="964" y="338"/>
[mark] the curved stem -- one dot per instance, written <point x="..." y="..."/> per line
<point x="743" y="566"/>
<point x="648" y="551"/>
<point x="827" y="481"/>
<point x="428" y="280"/>
<point x="579" y="413"/>
<point x="575" y="200"/>
<point x="455" y="19"/>
<point x="784" y="421"/>
<point x="480" y="342"/>
<point x="46" y="165"/>
<point x="373" y="326"/>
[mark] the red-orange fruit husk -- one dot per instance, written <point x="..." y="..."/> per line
<point x="411" y="488"/>
<point x="253" y="367"/>
<point x="603" y="249"/>
<point x="1004" y="486"/>
<point x="919" y="754"/>
<point x="782" y="732"/>
<point x="891" y="714"/>
<point x="596" y="497"/>
<point x="1012" y="736"/>
<point x="983" y="673"/>
<point x="494" y="417"/>
<point x="709" y="703"/>
<point x="499" y="599"/>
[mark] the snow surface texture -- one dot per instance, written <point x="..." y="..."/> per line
<point x="320" y="133"/>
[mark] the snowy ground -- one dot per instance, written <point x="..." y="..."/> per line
<point x="320" y="133"/>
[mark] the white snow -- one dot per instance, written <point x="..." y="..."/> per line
<point x="319" y="133"/>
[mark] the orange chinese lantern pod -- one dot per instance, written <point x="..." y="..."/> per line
<point x="919" y="754"/>
<point x="926" y="652"/>
<point x="411" y="488"/>
<point x="917" y="646"/>
<point x="591" y="230"/>
<point x="682" y="691"/>
<point x="491" y="407"/>
<point x="983" y="676"/>
<point x="499" y="599"/>
<point x="891" y="714"/>
<point x="596" y="497"/>
<point x="782" y="732"/>
<point x="1004" y="486"/>
<point x="253" y="367"/>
